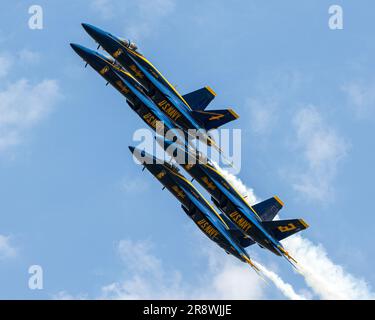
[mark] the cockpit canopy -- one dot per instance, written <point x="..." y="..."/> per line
<point x="129" y="44"/>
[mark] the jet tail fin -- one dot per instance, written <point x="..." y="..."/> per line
<point x="269" y="208"/>
<point x="213" y="119"/>
<point x="200" y="99"/>
<point x="282" y="229"/>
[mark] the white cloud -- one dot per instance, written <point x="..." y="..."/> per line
<point x="262" y="115"/>
<point x="6" y="62"/>
<point x="142" y="17"/>
<point x="147" y="278"/>
<point x="361" y="98"/>
<point x="28" y="56"/>
<point x="327" y="279"/>
<point x="321" y="149"/>
<point x="104" y="7"/>
<point x="150" y="14"/>
<point x="64" y="295"/>
<point x="6" y="248"/>
<point x="22" y="106"/>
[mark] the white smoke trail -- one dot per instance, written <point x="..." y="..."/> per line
<point x="249" y="194"/>
<point x="327" y="279"/>
<point x="284" y="287"/>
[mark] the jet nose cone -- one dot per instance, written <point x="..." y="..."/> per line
<point x="83" y="52"/>
<point x="94" y="32"/>
<point x="90" y="29"/>
<point x="78" y="49"/>
<point x="131" y="149"/>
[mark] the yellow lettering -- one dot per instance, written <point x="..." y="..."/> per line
<point x="169" y="110"/>
<point x="104" y="70"/>
<point x="209" y="184"/>
<point x="241" y="222"/>
<point x="178" y="191"/>
<point x="137" y="73"/>
<point x="287" y="228"/>
<point x="117" y="52"/>
<point x="207" y="228"/>
<point x="160" y="175"/>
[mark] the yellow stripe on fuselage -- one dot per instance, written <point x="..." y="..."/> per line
<point x="235" y="190"/>
<point x="149" y="63"/>
<point x="117" y="68"/>
<point x="204" y="199"/>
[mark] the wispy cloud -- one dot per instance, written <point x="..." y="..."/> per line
<point x="22" y="106"/>
<point x="28" y="56"/>
<point x="141" y="17"/>
<point x="105" y="8"/>
<point x="6" y="62"/>
<point x="263" y="115"/>
<point x="7" y="250"/>
<point x="64" y="295"/>
<point x="146" y="277"/>
<point x="320" y="148"/>
<point x="361" y="98"/>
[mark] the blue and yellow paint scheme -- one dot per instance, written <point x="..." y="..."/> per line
<point x="253" y="221"/>
<point x="214" y="225"/>
<point x="186" y="111"/>
<point x="134" y="93"/>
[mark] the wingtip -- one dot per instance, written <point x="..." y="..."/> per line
<point x="279" y="200"/>
<point x="234" y="114"/>
<point x="303" y="223"/>
<point x="211" y="91"/>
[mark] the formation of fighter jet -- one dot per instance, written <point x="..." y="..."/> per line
<point x="185" y="111"/>
<point x="237" y="224"/>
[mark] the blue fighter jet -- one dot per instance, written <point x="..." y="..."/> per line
<point x="186" y="111"/>
<point x="132" y="91"/>
<point x="253" y="221"/>
<point x="214" y="225"/>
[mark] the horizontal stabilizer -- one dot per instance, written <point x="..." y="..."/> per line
<point x="268" y="209"/>
<point x="282" y="229"/>
<point x="199" y="99"/>
<point x="213" y="119"/>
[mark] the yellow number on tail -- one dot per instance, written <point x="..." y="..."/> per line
<point x="287" y="228"/>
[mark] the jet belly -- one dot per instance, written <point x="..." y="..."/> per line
<point x="121" y="55"/>
<point x="213" y="233"/>
<point x="239" y="212"/>
<point x="166" y="100"/>
<point x="108" y="73"/>
<point x="196" y="207"/>
<point x="155" y="79"/>
<point x="145" y="113"/>
<point x="162" y="95"/>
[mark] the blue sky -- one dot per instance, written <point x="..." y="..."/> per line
<point x="73" y="201"/>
